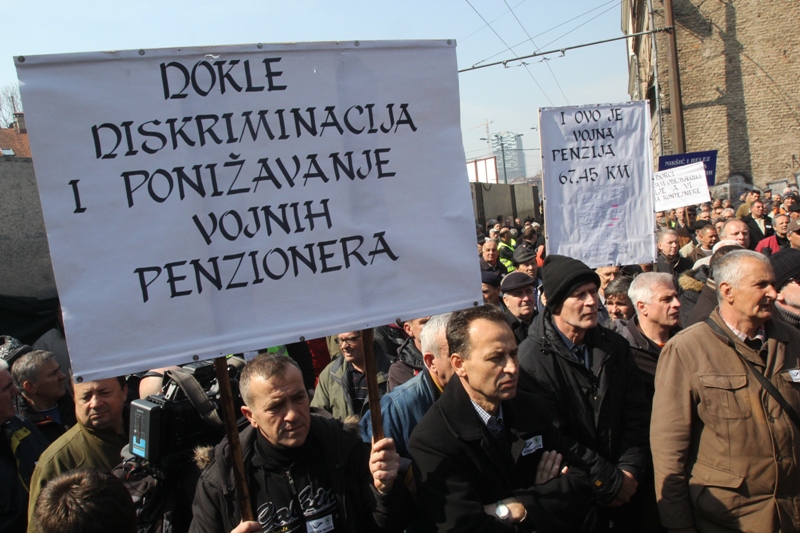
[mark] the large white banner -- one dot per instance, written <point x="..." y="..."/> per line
<point x="681" y="186"/>
<point x="205" y="201"/>
<point x="597" y="181"/>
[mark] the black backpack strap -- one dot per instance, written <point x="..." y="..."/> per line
<point x="767" y="384"/>
<point x="197" y="397"/>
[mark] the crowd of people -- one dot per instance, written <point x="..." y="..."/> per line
<point x="631" y="398"/>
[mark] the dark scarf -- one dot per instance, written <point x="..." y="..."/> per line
<point x="787" y="315"/>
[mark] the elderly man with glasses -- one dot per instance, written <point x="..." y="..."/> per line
<point x="342" y="387"/>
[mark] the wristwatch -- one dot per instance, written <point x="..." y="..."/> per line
<point x="502" y="513"/>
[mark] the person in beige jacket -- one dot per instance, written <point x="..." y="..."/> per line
<point x="725" y="453"/>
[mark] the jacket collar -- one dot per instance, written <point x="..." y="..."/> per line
<point x="459" y="414"/>
<point x="775" y="332"/>
<point x="642" y="342"/>
<point x="551" y="341"/>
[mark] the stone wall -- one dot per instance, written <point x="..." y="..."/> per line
<point x="25" y="269"/>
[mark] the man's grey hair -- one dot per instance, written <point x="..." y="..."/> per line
<point x="27" y="367"/>
<point x="727" y="212"/>
<point x="643" y="286"/>
<point x="431" y="330"/>
<point x="665" y="232"/>
<point x="729" y="268"/>
<point x="618" y="286"/>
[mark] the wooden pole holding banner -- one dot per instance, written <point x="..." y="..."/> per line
<point x="232" y="431"/>
<point x="373" y="395"/>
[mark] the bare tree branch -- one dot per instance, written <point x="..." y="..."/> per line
<point x="10" y="103"/>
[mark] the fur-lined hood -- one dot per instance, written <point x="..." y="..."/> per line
<point x="694" y="280"/>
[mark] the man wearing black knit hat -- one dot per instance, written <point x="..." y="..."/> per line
<point x="588" y="379"/>
<point x="786" y="265"/>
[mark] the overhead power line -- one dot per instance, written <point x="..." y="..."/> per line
<point x="510" y="50"/>
<point x="553" y="28"/>
<point x="563" y="50"/>
<point x="537" y="49"/>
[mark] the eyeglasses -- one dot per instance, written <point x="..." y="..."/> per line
<point x="351" y="341"/>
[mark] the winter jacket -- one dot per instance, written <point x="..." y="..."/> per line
<point x="706" y="302"/>
<point x="675" y="268"/>
<point x="696" y="253"/>
<point x="332" y="393"/>
<point x="216" y="507"/>
<point x="49" y="427"/>
<point x="645" y="352"/>
<point x="401" y="411"/>
<point x="408" y="364"/>
<point x="604" y="410"/>
<point x="756" y="235"/>
<point x="725" y="453"/>
<point x="80" y="447"/>
<point x="498" y="267"/>
<point x="519" y="328"/>
<point x="505" y="254"/>
<point x="460" y="467"/>
<point x="690" y="285"/>
<point x="21" y="445"/>
<point x="771" y="245"/>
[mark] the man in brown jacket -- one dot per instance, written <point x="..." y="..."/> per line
<point x="724" y="450"/>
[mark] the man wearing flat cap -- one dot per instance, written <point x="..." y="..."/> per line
<point x="587" y="377"/>
<point x="519" y="299"/>
<point x="525" y="262"/>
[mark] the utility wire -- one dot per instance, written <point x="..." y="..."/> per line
<point x="562" y="50"/>
<point x="498" y="17"/>
<point x="537" y="49"/>
<point x="584" y="24"/>
<point x="551" y="29"/>
<point x="510" y="50"/>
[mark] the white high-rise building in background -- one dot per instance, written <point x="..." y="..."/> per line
<point x="507" y="148"/>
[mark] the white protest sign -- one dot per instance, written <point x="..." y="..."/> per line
<point x="215" y="200"/>
<point x="598" y="194"/>
<point x="681" y="186"/>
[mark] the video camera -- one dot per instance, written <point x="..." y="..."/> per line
<point x="165" y="428"/>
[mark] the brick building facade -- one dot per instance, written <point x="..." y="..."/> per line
<point x="739" y="70"/>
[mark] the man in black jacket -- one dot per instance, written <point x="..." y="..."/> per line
<point x="44" y="398"/>
<point x="657" y="319"/>
<point x="409" y="356"/>
<point x="304" y="472"/>
<point x="588" y="377"/>
<point x="519" y="296"/>
<point x="484" y="459"/>
<point x="758" y="223"/>
<point x="669" y="260"/>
